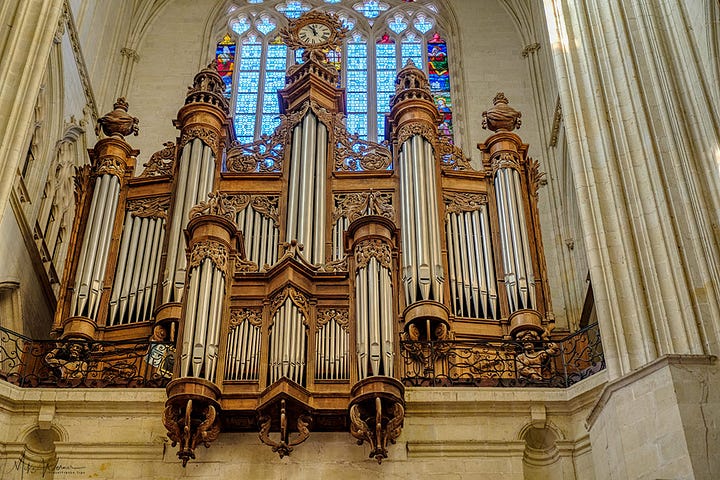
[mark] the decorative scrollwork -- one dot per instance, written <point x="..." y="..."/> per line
<point x="464" y="202"/>
<point x="339" y="265"/>
<point x="243" y="265"/>
<point x="268" y="205"/>
<point x="296" y="296"/>
<point x="355" y="205"/>
<point x="80" y="182"/>
<point x="190" y="428"/>
<point x="505" y="159"/>
<point x="425" y="130"/>
<point x="161" y="162"/>
<point x="451" y="156"/>
<point x="338" y="315"/>
<point x="537" y="178"/>
<point x="373" y="248"/>
<point x="110" y="165"/>
<point x="218" y="203"/>
<point x="385" y="428"/>
<point x="262" y="155"/>
<point x="207" y="135"/>
<point x="533" y="360"/>
<point x="153" y="207"/>
<point x="353" y="154"/>
<point x="251" y="315"/>
<point x="216" y="252"/>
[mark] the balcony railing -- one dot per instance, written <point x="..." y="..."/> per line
<point x="491" y="363"/>
<point x="72" y="363"/>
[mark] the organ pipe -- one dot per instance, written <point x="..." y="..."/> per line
<point x="195" y="177"/>
<point x="422" y="271"/>
<point x="96" y="244"/>
<point x="516" y="255"/>
<point x="306" y="214"/>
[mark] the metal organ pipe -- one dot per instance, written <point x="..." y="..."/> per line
<point x="307" y="186"/>
<point x="195" y="179"/>
<point x="517" y="259"/>
<point x="203" y="316"/>
<point x="422" y="271"/>
<point x="96" y="243"/>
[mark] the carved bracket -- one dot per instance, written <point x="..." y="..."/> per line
<point x="190" y="426"/>
<point x="284" y="446"/>
<point x="377" y="421"/>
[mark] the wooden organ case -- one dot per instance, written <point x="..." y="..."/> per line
<point x="288" y="270"/>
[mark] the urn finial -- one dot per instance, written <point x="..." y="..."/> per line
<point x="118" y="123"/>
<point x="501" y="117"/>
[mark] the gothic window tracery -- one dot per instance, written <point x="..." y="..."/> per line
<point x="383" y="36"/>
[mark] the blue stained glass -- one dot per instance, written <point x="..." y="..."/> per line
<point x="383" y="101"/>
<point x="333" y="1"/>
<point x="370" y="8"/>
<point x="298" y="55"/>
<point x="292" y="9"/>
<point x="246" y="103"/>
<point x="245" y="124"/>
<point x="357" y="123"/>
<point x="439" y="82"/>
<point x="356" y="80"/>
<point x="277" y="51"/>
<point x="248" y="82"/>
<point x="265" y="25"/>
<point x="240" y="26"/>
<point x="412" y="50"/>
<point x="386" y="80"/>
<point x="385" y="63"/>
<point x="398" y="24"/>
<point x="357" y="63"/>
<point x="423" y="23"/>
<point x="357" y="102"/>
<point x="269" y="124"/>
<point x="385" y="50"/>
<point x="275" y="63"/>
<point x="270" y="104"/>
<point x="357" y="49"/>
<point x="274" y="82"/>
<point x="251" y="50"/>
<point x="381" y="127"/>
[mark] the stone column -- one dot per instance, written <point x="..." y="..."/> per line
<point x="643" y="136"/>
<point x="24" y="51"/>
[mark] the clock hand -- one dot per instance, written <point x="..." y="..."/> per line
<point x="312" y="28"/>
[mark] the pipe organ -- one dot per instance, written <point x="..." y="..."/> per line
<point x="288" y="270"/>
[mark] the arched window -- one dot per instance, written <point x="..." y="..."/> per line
<point x="383" y="36"/>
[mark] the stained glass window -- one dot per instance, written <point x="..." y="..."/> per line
<point x="225" y="56"/>
<point x="384" y="35"/>
<point x="439" y="76"/>
<point x="293" y="8"/>
<point x="386" y="71"/>
<point x="357" y="87"/>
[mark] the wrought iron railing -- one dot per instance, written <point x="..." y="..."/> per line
<point x="558" y="363"/>
<point x="74" y="363"/>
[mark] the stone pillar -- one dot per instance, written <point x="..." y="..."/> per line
<point x="643" y="136"/>
<point x="31" y="26"/>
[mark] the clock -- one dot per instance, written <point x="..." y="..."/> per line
<point x="314" y="32"/>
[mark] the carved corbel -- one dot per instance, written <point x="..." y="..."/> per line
<point x="284" y="446"/>
<point x="190" y="426"/>
<point x="377" y="424"/>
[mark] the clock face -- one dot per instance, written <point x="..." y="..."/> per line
<point x="314" y="33"/>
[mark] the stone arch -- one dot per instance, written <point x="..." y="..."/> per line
<point x="541" y="457"/>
